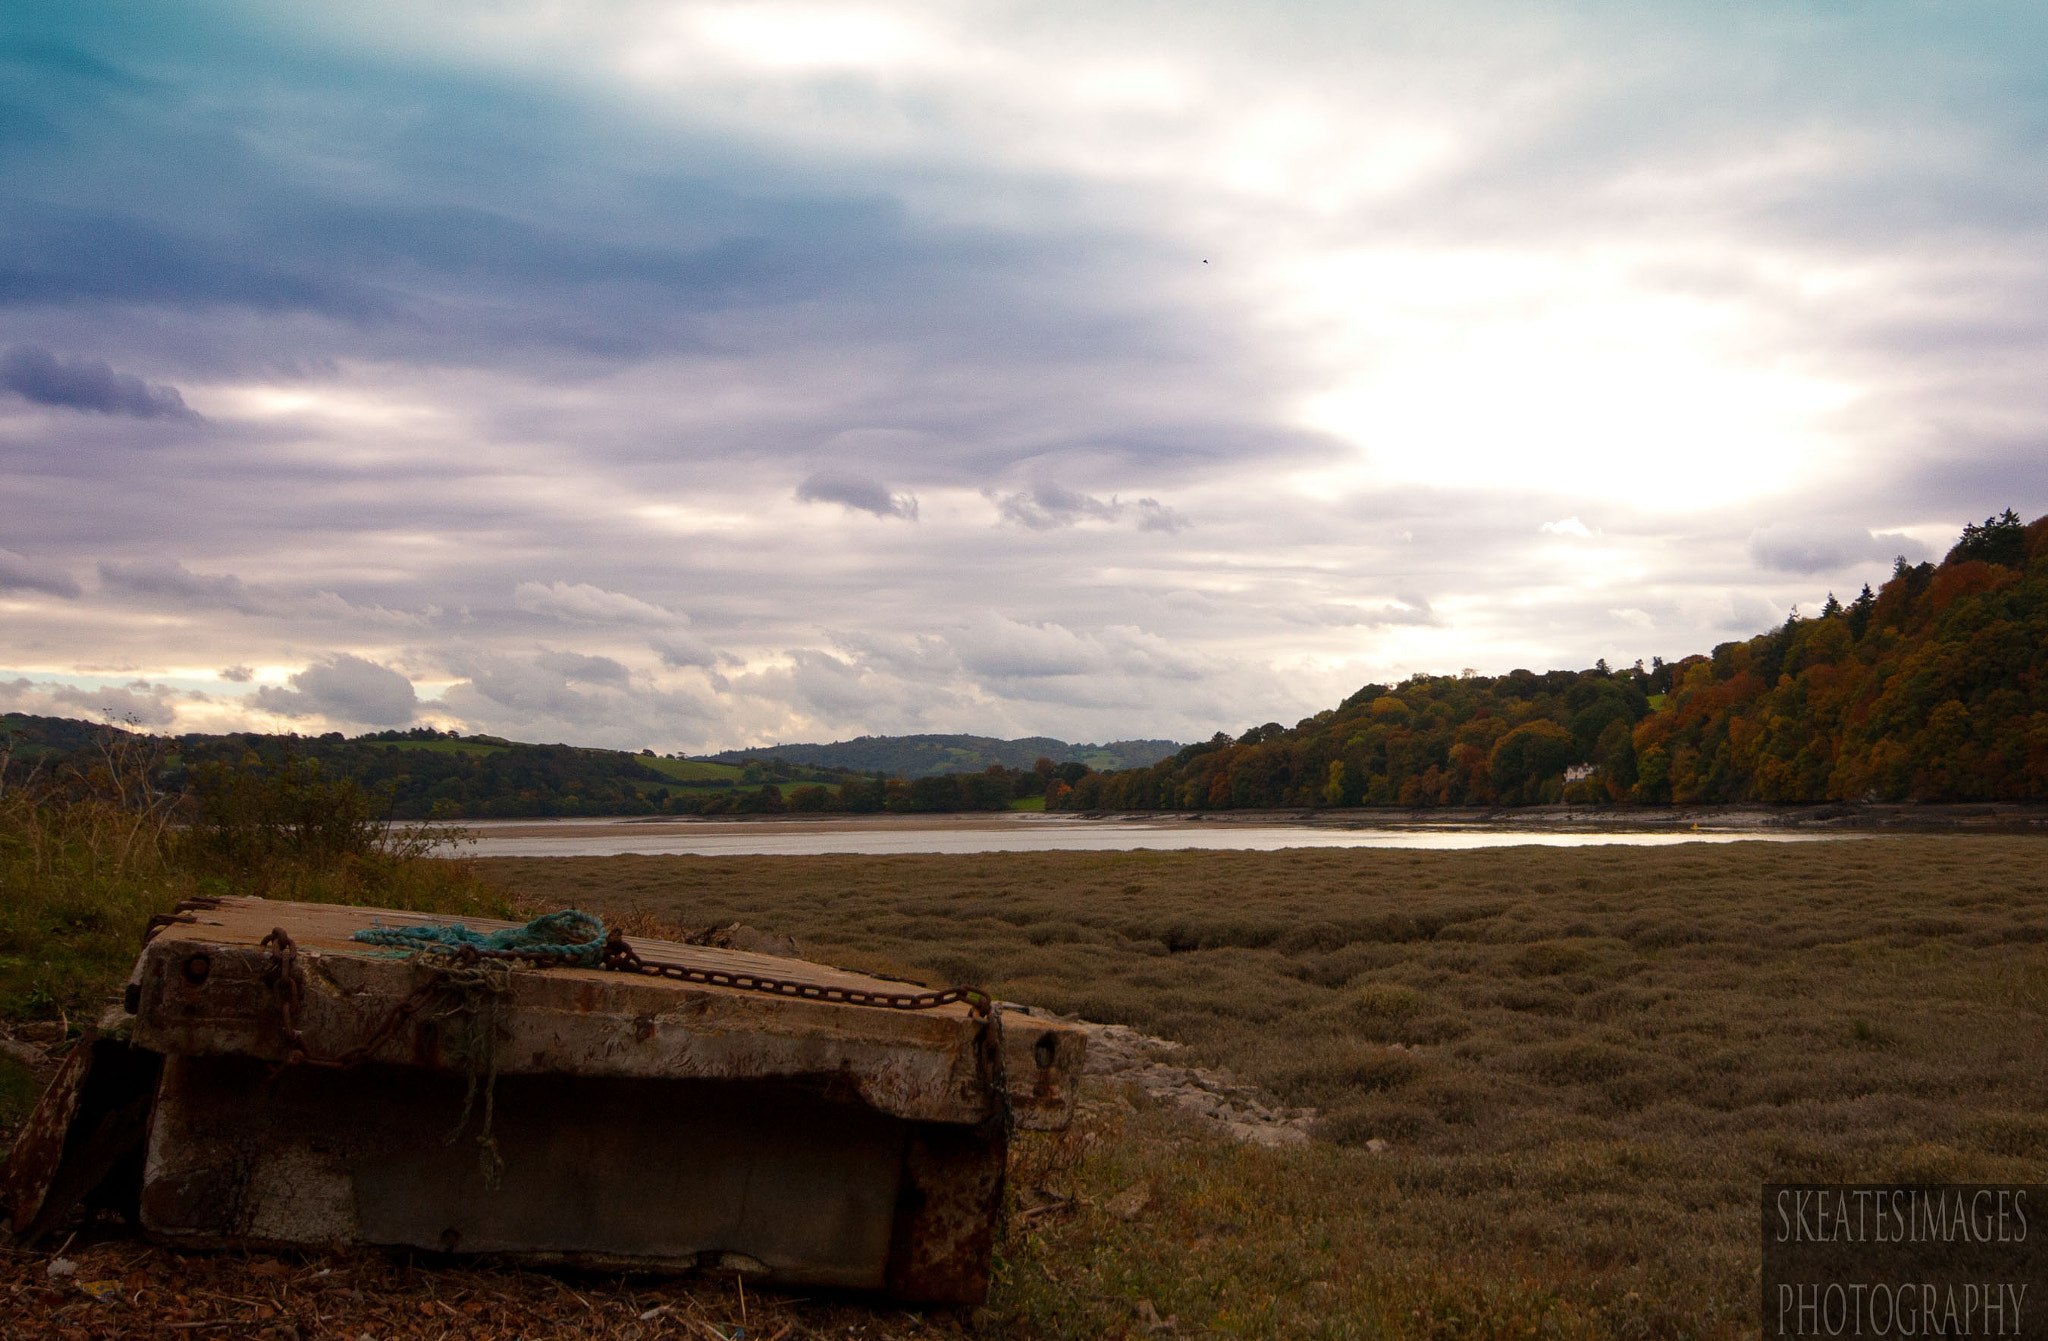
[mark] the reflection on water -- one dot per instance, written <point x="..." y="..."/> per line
<point x="530" y="838"/>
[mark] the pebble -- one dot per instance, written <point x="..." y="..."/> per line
<point x="28" y="1054"/>
<point x="1130" y="1203"/>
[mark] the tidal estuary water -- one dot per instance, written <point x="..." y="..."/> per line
<point x="1031" y="833"/>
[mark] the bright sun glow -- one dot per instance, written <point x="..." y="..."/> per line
<point x="792" y="38"/>
<point x="1545" y="374"/>
<point x="367" y="409"/>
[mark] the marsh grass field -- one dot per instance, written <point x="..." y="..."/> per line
<point x="1605" y="1052"/>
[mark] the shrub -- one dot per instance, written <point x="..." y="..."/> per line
<point x="1578" y="1063"/>
<point x="1387" y="1121"/>
<point x="1366" y="1069"/>
<point x="253" y="814"/>
<point x="1383" y="1010"/>
<point x="93" y="847"/>
<point x="1550" y="958"/>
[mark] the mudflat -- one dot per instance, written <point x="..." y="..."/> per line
<point x="1004" y="832"/>
<point x="660" y="824"/>
<point x="1583" y="1062"/>
<point x="2000" y="816"/>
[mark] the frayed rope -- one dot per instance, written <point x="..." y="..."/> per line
<point x="568" y="937"/>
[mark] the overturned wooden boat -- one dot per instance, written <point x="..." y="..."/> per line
<point x="315" y="1076"/>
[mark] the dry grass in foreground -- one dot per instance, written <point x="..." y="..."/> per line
<point x="122" y="1287"/>
<point x="1610" y="1049"/>
<point x="1130" y="1225"/>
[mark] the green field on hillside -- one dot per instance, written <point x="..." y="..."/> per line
<point x="687" y="771"/>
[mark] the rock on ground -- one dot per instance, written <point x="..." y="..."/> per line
<point x="1119" y="1054"/>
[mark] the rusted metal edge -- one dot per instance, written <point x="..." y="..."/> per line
<point x="38" y="1149"/>
<point x="92" y="1120"/>
<point x="948" y="1211"/>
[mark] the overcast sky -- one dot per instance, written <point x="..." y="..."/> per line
<point x="691" y="375"/>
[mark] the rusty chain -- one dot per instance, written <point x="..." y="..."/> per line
<point x="622" y="958"/>
<point x="287" y="988"/>
<point x="286" y="980"/>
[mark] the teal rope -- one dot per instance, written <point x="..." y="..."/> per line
<point x="570" y="937"/>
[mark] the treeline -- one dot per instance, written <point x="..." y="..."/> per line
<point x="1433" y="741"/>
<point x="927" y="755"/>
<point x="457" y="777"/>
<point x="422" y="773"/>
<point x="1934" y="688"/>
<point x="994" y="788"/>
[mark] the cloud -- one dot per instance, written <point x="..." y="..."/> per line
<point x="1569" y="526"/>
<point x="683" y="648"/>
<point x="1154" y="515"/>
<point x="552" y="696"/>
<point x="37" y="375"/>
<point x="172" y="580"/>
<point x="1001" y="648"/>
<point x="238" y="674"/>
<point x="18" y="572"/>
<point x="139" y="704"/>
<point x="1746" y="615"/>
<point x="574" y="666"/>
<point x="331" y="605"/>
<point x="853" y="692"/>
<point x="581" y="603"/>
<point x="857" y="493"/>
<point x="344" y="688"/>
<point x="1046" y="506"/>
<point x="1011" y="649"/>
<point x="1790" y="547"/>
<point x="1409" y="612"/>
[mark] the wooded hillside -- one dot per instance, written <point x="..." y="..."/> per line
<point x="930" y="755"/>
<point x="1934" y="689"/>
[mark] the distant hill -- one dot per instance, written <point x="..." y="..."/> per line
<point x="31" y="737"/>
<point x="930" y="755"/>
<point x="422" y="773"/>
